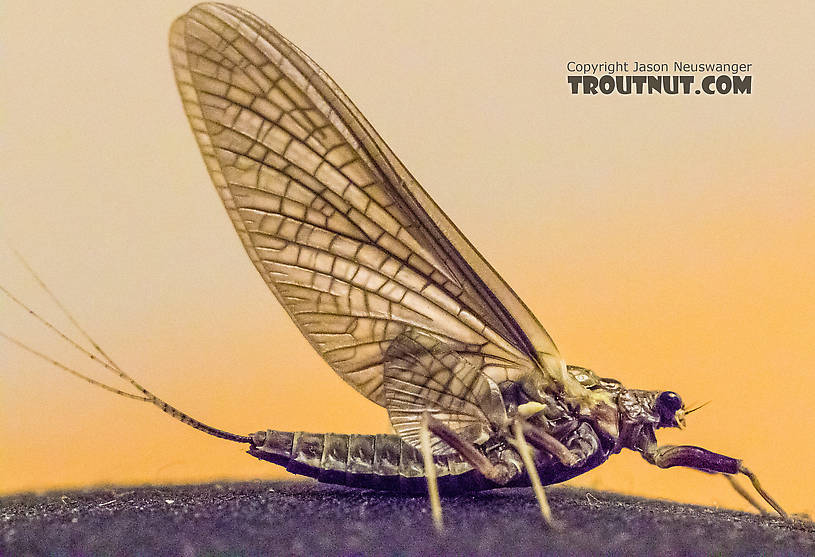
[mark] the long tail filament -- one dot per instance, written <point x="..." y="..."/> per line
<point x="101" y="357"/>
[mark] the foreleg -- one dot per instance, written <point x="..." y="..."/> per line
<point x="698" y="458"/>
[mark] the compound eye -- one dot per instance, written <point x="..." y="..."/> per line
<point x="668" y="402"/>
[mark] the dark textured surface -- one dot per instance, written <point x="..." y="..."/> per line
<point x="304" y="518"/>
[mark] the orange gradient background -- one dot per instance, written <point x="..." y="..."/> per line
<point x="665" y="241"/>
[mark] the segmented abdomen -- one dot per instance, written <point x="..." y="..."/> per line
<point x="383" y="461"/>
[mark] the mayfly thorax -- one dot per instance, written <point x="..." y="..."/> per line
<point x="390" y="293"/>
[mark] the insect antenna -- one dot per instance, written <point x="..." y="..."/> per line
<point x="694" y="409"/>
<point x="105" y="361"/>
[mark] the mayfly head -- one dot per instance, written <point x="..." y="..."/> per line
<point x="655" y="408"/>
<point x="636" y="407"/>
<point x="671" y="410"/>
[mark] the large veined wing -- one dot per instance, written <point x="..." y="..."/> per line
<point x="424" y="375"/>
<point x="352" y="246"/>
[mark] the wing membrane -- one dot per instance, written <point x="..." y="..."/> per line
<point x="425" y="375"/>
<point x="350" y="244"/>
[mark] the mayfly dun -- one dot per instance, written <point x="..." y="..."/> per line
<point x="390" y="293"/>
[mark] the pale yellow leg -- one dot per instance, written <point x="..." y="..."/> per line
<point x="741" y="491"/>
<point x="537" y="486"/>
<point x="766" y="496"/>
<point x="430" y="474"/>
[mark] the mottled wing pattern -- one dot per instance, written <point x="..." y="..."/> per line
<point x="425" y="374"/>
<point x="352" y="247"/>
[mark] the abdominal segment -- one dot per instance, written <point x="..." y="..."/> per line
<point x="386" y="462"/>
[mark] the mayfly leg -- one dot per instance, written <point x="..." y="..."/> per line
<point x="545" y="442"/>
<point x="766" y="496"/>
<point x="537" y="487"/>
<point x="498" y="473"/>
<point x="430" y="473"/>
<point x="667" y="456"/>
<point x="105" y="361"/>
<point x="744" y="493"/>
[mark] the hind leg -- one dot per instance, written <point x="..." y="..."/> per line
<point x="430" y="474"/>
<point x="500" y="473"/>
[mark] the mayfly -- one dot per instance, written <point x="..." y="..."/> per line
<point x="390" y="293"/>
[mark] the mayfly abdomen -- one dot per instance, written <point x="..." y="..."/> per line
<point x="383" y="462"/>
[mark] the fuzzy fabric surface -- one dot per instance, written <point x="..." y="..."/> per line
<point x="306" y="518"/>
